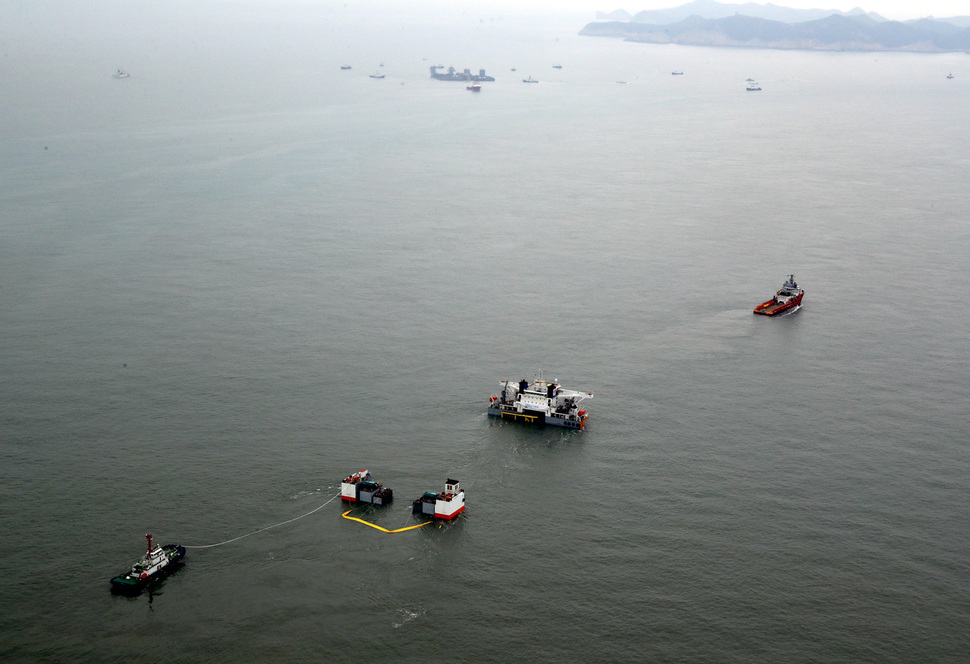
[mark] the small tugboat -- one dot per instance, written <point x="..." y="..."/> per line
<point x="474" y="88"/>
<point x="361" y="488"/>
<point x="542" y="402"/>
<point x="121" y="73"/>
<point x="788" y="297"/>
<point x="157" y="563"/>
<point x="445" y="505"/>
<point x="529" y="80"/>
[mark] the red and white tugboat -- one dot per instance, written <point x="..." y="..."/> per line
<point x="787" y="298"/>
<point x="445" y="505"/>
<point x="157" y="563"/>
<point x="541" y="402"/>
<point x="361" y="488"/>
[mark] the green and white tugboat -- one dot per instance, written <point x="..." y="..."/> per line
<point x="157" y="563"/>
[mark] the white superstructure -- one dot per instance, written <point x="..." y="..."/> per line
<point x="541" y="402"/>
<point x="445" y="505"/>
<point x="361" y="488"/>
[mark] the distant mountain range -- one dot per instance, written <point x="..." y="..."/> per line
<point x="710" y="23"/>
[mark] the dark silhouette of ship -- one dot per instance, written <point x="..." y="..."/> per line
<point x="454" y="75"/>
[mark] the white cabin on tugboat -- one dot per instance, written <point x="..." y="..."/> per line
<point x="445" y="505"/>
<point x="542" y="402"/>
<point x="361" y="488"/>
<point x="155" y="564"/>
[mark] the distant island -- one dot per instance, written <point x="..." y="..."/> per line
<point x="711" y="23"/>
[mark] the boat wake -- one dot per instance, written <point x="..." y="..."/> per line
<point x="409" y="615"/>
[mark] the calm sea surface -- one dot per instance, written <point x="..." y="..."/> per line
<point x="243" y="273"/>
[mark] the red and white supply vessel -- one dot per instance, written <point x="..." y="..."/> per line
<point x="361" y="488"/>
<point x="788" y="298"/>
<point x="445" y="505"/>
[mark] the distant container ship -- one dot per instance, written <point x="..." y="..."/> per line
<point x="454" y="75"/>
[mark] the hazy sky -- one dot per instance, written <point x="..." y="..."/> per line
<point x="899" y="10"/>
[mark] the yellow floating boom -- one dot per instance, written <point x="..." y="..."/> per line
<point x="399" y="530"/>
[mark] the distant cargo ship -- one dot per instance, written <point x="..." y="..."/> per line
<point x="454" y="75"/>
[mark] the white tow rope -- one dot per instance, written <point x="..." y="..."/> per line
<point x="275" y="525"/>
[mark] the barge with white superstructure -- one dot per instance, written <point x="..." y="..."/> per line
<point x="541" y="402"/>
<point x="361" y="488"/>
<point x="445" y="505"/>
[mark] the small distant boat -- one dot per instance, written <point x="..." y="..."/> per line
<point x="529" y="80"/>
<point x="157" y="563"/>
<point x="788" y="297"/>
<point x="346" y="67"/>
<point x="513" y="69"/>
<point x="121" y="73"/>
<point x="749" y="80"/>
<point x="474" y="88"/>
<point x="557" y="66"/>
<point x="377" y="75"/>
<point x="676" y="73"/>
<point x="622" y="82"/>
<point x="950" y="75"/>
<point x="753" y="87"/>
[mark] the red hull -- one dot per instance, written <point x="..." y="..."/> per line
<point x="449" y="517"/>
<point x="772" y="308"/>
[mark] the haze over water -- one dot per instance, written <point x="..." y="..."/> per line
<point x="242" y="273"/>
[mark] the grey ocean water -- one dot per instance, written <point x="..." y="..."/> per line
<point x="241" y="274"/>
